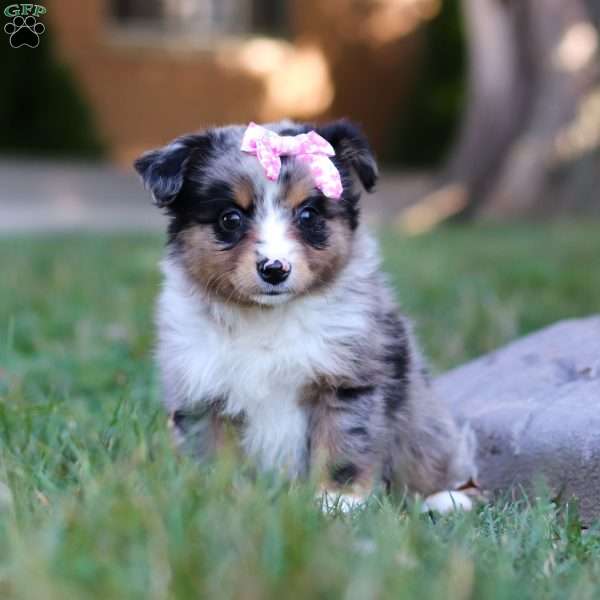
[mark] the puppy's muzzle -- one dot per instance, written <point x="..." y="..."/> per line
<point x="273" y="271"/>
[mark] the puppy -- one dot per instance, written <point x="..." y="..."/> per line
<point x="275" y="320"/>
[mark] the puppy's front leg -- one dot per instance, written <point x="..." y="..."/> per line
<point x="346" y="429"/>
<point x="197" y="431"/>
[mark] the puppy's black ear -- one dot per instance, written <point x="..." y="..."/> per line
<point x="351" y="146"/>
<point x="163" y="170"/>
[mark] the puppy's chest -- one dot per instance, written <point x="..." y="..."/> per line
<point x="261" y="371"/>
<point x="263" y="375"/>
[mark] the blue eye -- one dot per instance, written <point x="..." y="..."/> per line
<point x="230" y="220"/>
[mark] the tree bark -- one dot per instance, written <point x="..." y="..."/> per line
<point x="531" y="130"/>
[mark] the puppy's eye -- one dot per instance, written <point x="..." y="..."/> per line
<point x="308" y="216"/>
<point x="230" y="220"/>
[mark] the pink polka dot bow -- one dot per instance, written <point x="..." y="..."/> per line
<point x="310" y="148"/>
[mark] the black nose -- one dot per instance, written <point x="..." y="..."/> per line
<point x="273" y="271"/>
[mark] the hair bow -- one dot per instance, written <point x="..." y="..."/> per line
<point x="310" y="148"/>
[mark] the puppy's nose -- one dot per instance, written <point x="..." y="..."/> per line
<point x="273" y="271"/>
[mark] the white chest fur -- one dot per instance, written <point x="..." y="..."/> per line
<point x="257" y="360"/>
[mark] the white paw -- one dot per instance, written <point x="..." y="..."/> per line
<point x="332" y="501"/>
<point x="447" y="501"/>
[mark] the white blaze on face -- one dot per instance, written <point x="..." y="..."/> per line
<point x="274" y="241"/>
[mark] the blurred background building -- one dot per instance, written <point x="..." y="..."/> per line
<point x="493" y="103"/>
<point x="152" y="69"/>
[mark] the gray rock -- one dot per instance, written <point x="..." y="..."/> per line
<point x="534" y="406"/>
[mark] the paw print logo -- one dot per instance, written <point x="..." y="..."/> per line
<point x="24" y="31"/>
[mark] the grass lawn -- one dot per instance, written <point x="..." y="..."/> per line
<point x="95" y="504"/>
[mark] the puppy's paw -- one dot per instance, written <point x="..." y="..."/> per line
<point x="332" y="501"/>
<point x="447" y="501"/>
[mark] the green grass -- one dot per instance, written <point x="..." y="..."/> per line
<point x="95" y="504"/>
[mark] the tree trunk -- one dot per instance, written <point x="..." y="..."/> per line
<point x="531" y="130"/>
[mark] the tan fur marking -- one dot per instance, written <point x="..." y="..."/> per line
<point x="298" y="191"/>
<point x="320" y="266"/>
<point x="220" y="272"/>
<point x="243" y="194"/>
<point x="244" y="275"/>
<point x="329" y="447"/>
<point x="327" y="452"/>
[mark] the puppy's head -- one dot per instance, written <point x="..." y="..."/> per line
<point x="247" y="239"/>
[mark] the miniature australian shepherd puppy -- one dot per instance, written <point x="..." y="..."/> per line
<point x="276" y="321"/>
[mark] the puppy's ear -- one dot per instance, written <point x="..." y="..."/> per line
<point x="163" y="170"/>
<point x="351" y="146"/>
